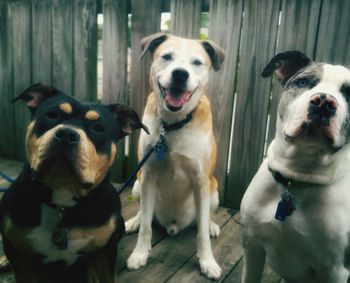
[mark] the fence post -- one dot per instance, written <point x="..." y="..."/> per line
<point x="7" y="129"/>
<point x="145" y="21"/>
<point x="185" y="17"/>
<point x="259" y="32"/>
<point x="85" y="50"/>
<point x="222" y="83"/>
<point x="115" y="54"/>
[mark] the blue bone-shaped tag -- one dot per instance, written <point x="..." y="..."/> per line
<point x="160" y="148"/>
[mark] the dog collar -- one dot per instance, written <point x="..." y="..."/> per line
<point x="177" y="125"/>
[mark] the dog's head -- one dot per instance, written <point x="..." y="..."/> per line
<point x="72" y="145"/>
<point x="314" y="108"/>
<point x="180" y="69"/>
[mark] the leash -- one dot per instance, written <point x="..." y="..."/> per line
<point x="160" y="148"/>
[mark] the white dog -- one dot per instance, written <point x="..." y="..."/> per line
<point x="296" y="211"/>
<point x="177" y="183"/>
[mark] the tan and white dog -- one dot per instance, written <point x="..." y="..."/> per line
<point x="296" y="210"/>
<point x="180" y="187"/>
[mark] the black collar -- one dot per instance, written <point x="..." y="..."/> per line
<point x="286" y="182"/>
<point x="177" y="125"/>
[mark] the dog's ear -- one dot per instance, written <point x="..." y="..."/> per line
<point x="37" y="94"/>
<point x="151" y="42"/>
<point x="285" y="65"/>
<point x="215" y="52"/>
<point x="127" y="118"/>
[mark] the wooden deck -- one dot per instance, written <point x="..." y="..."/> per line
<point x="173" y="258"/>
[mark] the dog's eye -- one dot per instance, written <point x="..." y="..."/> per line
<point x="53" y="115"/>
<point x="345" y="89"/>
<point x="167" y="57"/>
<point x="302" y="82"/>
<point x="197" y="62"/>
<point x="98" y="127"/>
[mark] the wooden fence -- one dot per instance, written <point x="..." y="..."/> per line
<point x="55" y="42"/>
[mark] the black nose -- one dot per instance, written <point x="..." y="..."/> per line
<point x="180" y="75"/>
<point x="67" y="136"/>
<point x="322" y="106"/>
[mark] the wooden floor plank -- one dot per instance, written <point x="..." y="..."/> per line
<point x="227" y="251"/>
<point x="170" y="254"/>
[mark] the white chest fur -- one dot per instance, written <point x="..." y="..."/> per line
<point x="41" y="239"/>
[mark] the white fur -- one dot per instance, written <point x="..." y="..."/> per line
<point x="310" y="245"/>
<point x="176" y="190"/>
<point x="42" y="242"/>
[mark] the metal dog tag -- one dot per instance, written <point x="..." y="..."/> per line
<point x="60" y="237"/>
<point x="160" y="148"/>
<point x="286" y="206"/>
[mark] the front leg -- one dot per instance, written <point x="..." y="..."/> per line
<point x="139" y="256"/>
<point x="207" y="262"/>
<point x="253" y="260"/>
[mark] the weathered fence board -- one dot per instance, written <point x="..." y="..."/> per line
<point x="143" y="24"/>
<point x="42" y="42"/>
<point x="298" y="30"/>
<point x="185" y="17"/>
<point x="7" y="118"/>
<point x="20" y="12"/>
<point x="115" y="54"/>
<point x="334" y="37"/>
<point x="85" y="50"/>
<point x="222" y="83"/>
<point x="259" y="32"/>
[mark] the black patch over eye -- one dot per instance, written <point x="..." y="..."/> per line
<point x="167" y="57"/>
<point x="345" y="89"/>
<point x="197" y="62"/>
<point x="53" y="115"/>
<point x="98" y="128"/>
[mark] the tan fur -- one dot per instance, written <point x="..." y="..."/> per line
<point x="92" y="115"/>
<point x="66" y="108"/>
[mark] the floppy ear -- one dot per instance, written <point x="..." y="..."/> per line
<point x="151" y="42"/>
<point x="127" y="118"/>
<point x="215" y="52"/>
<point x="285" y="65"/>
<point x="37" y="94"/>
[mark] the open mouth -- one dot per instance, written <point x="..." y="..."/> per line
<point x="175" y="97"/>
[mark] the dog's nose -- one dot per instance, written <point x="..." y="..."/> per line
<point x="322" y="106"/>
<point x="180" y="75"/>
<point x="67" y="136"/>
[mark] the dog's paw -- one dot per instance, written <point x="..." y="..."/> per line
<point x="210" y="268"/>
<point x="136" y="260"/>
<point x="133" y="224"/>
<point x="214" y="230"/>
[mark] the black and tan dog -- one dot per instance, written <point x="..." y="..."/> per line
<point x="61" y="219"/>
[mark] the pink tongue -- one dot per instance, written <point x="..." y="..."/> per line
<point x="177" y="101"/>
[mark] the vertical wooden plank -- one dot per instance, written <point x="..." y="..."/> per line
<point x="259" y="31"/>
<point x="145" y="21"/>
<point x="85" y="50"/>
<point x="21" y="30"/>
<point x="115" y="40"/>
<point x="334" y="38"/>
<point x="185" y="17"/>
<point x="222" y="83"/>
<point x="298" y="30"/>
<point x="115" y="53"/>
<point x="62" y="43"/>
<point x="41" y="42"/>
<point x="7" y="130"/>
